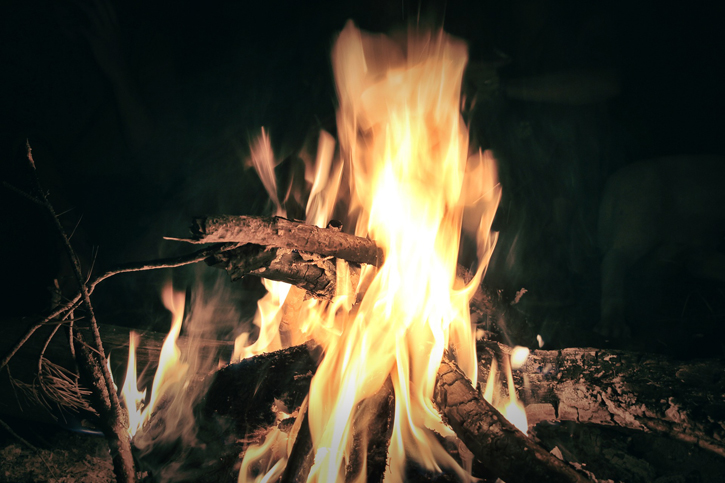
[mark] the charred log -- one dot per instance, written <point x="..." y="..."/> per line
<point x="302" y="455"/>
<point x="644" y="392"/>
<point x="246" y="390"/>
<point x="282" y="233"/>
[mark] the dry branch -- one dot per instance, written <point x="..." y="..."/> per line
<point x="282" y="233"/>
<point x="114" y="417"/>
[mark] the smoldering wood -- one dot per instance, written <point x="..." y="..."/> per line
<point x="644" y="392"/>
<point x="283" y="233"/>
<point x="278" y="375"/>
<point x="506" y="451"/>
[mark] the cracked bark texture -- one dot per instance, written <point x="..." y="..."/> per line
<point x="645" y="392"/>
<point x="506" y="451"/>
<point x="282" y="233"/>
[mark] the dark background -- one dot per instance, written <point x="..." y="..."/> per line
<point x="140" y="115"/>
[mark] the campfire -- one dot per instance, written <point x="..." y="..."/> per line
<point x="386" y="309"/>
<point x="367" y="360"/>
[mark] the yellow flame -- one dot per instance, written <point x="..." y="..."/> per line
<point x="133" y="398"/>
<point x="169" y="371"/>
<point x="514" y="410"/>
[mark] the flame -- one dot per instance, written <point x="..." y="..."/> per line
<point x="404" y="147"/>
<point x="169" y="371"/>
<point x="514" y="410"/>
<point x="133" y="398"/>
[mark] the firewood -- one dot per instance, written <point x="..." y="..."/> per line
<point x="310" y="271"/>
<point x="282" y="233"/>
<point x="644" y="392"/>
<point x="505" y="450"/>
<point x="245" y="391"/>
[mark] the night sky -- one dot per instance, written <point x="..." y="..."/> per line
<point x="140" y="116"/>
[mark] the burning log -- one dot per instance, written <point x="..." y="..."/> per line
<point x="314" y="273"/>
<point x="284" y="375"/>
<point x="374" y="423"/>
<point x="496" y="442"/>
<point x="282" y="233"/>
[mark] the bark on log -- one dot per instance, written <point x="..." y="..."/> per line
<point x="282" y="233"/>
<point x="505" y="450"/>
<point x="645" y="392"/>
<point x="312" y="272"/>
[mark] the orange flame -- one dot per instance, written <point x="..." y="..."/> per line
<point x="405" y="148"/>
<point x="169" y="371"/>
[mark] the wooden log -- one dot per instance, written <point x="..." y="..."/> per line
<point x="244" y="391"/>
<point x="309" y="271"/>
<point x="506" y="451"/>
<point x="282" y="233"/>
<point x="645" y="392"/>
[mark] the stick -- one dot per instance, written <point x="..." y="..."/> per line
<point x="506" y="451"/>
<point x="282" y="233"/>
<point x="75" y="302"/>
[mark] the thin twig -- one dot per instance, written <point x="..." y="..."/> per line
<point x="17" y="436"/>
<point x="171" y="262"/>
<point x="42" y="352"/>
<point x="23" y="193"/>
<point x="78" y="223"/>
